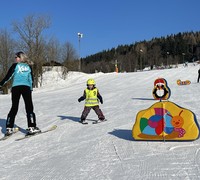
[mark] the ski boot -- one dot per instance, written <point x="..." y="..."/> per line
<point x="9" y="131"/>
<point x="83" y="121"/>
<point x="33" y="130"/>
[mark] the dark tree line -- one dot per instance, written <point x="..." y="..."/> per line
<point x="158" y="52"/>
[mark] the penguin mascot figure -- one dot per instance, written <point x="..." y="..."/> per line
<point x="161" y="90"/>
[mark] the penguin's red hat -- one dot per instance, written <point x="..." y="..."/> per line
<point x="159" y="82"/>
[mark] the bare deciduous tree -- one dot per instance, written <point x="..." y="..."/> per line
<point x="6" y="54"/>
<point x="53" y="50"/>
<point x="69" y="56"/>
<point x="32" y="41"/>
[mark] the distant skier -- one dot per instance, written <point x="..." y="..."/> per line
<point x="198" y="75"/>
<point x="21" y="73"/>
<point x="92" y="97"/>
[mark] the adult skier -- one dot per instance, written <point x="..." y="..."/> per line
<point x="21" y="74"/>
<point x="198" y="76"/>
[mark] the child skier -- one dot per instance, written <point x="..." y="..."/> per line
<point x="92" y="97"/>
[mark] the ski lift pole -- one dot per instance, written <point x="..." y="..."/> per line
<point x="80" y="35"/>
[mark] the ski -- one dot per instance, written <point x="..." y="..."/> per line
<point x="42" y="132"/>
<point x="94" y="121"/>
<point x="15" y="130"/>
<point x="99" y="121"/>
<point x="84" y="123"/>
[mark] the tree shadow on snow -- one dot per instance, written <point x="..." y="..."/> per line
<point x="122" y="134"/>
<point x="3" y="127"/>
<point x="143" y="99"/>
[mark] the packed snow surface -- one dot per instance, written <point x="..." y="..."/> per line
<point x="104" y="151"/>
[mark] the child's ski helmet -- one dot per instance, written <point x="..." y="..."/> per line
<point x="90" y="82"/>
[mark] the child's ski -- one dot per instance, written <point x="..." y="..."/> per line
<point x="99" y="121"/>
<point x="15" y="130"/>
<point x="94" y="121"/>
<point x="84" y="123"/>
<point x="45" y="131"/>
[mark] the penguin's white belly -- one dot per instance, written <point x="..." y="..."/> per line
<point x="160" y="92"/>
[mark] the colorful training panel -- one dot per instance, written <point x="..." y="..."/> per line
<point x="161" y="90"/>
<point x="166" y="121"/>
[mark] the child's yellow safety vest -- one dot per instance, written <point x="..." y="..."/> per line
<point x="91" y="97"/>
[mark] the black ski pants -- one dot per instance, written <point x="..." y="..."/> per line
<point x="26" y="93"/>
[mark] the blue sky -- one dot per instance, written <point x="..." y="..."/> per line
<point x="106" y="23"/>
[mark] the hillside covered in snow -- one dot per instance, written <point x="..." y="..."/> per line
<point x="104" y="151"/>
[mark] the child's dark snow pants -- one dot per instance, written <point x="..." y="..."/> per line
<point x="96" y="109"/>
